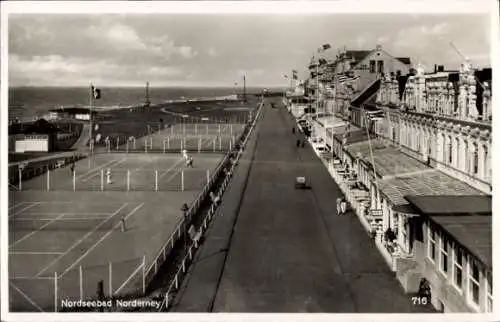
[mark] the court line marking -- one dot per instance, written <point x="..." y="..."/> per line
<point x="35" y="231"/>
<point x="17" y="205"/>
<point x="98" y="172"/>
<point x="80" y="240"/>
<point x="25" y="296"/>
<point x="35" y="253"/>
<point x="128" y="279"/>
<point x="170" y="169"/>
<point x="102" y="239"/>
<point x="24" y="209"/>
<point x="95" y="169"/>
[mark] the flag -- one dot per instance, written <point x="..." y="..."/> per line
<point x="294" y="71"/>
<point x="96" y="93"/>
<point x="322" y="61"/>
<point x="326" y="47"/>
<point x="295" y="76"/>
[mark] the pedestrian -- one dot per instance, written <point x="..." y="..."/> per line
<point x="304" y="143"/>
<point x="343" y="206"/>
<point x="298" y="143"/>
<point x="72" y="167"/>
<point x="339" y="201"/>
<point x="293" y="130"/>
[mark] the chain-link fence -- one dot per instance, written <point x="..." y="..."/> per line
<point x="58" y="292"/>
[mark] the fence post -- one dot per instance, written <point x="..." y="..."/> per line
<point x="80" y="273"/>
<point x="214" y="144"/>
<point x="117" y="142"/>
<point x="208" y="176"/>
<point x="220" y="143"/>
<point x="219" y="128"/>
<point x="196" y="129"/>
<point x="20" y="173"/>
<point x="48" y="179"/>
<point x="144" y="274"/>
<point x="110" y="279"/>
<point x="55" y="293"/>
<point x="199" y="144"/>
<point x="206" y="127"/>
<point x="128" y="180"/>
<point x="230" y="144"/>
<point x="182" y="180"/>
<point x="156" y="180"/>
<point x="231" y="129"/>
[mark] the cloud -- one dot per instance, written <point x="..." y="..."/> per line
<point x="115" y="49"/>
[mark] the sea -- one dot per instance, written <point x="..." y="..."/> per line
<point x="25" y="103"/>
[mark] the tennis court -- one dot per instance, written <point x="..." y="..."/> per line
<point x="63" y="242"/>
<point x="127" y="172"/>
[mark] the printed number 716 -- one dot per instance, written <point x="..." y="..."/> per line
<point x="417" y="300"/>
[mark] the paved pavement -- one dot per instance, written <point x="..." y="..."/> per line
<point x="289" y="251"/>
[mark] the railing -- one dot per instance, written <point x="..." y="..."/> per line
<point x="175" y="283"/>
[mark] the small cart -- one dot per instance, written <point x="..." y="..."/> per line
<point x="300" y="183"/>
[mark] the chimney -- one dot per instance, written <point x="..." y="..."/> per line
<point x="441" y="68"/>
<point x="435" y="68"/>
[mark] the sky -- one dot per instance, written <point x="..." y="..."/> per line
<point x="217" y="50"/>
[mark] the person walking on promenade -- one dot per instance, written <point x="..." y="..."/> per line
<point x="293" y="130"/>
<point x="339" y="201"/>
<point x="72" y="168"/>
<point x="298" y="143"/>
<point x="343" y="206"/>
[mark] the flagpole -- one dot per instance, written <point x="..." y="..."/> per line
<point x="91" y="143"/>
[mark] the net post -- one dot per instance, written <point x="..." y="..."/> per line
<point x="48" y="179"/>
<point x="74" y="180"/>
<point x="199" y="144"/>
<point x="196" y="129"/>
<point x="206" y="128"/>
<point x="55" y="293"/>
<point x="144" y="274"/>
<point x="220" y="143"/>
<point x="168" y="142"/>
<point x="231" y="129"/>
<point x="110" y="285"/>
<point x="20" y="173"/>
<point x="80" y="275"/>
<point x="102" y="180"/>
<point x="128" y="180"/>
<point x="182" y="180"/>
<point x="214" y="144"/>
<point x="156" y="180"/>
<point x="208" y="176"/>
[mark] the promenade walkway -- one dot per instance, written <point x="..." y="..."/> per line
<point x="289" y="251"/>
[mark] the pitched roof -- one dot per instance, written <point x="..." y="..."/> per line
<point x="404" y="60"/>
<point x="468" y="220"/>
<point x="357" y="54"/>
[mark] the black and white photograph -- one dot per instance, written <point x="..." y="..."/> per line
<point x="247" y="159"/>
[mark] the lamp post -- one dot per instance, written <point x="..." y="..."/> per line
<point x="184" y="210"/>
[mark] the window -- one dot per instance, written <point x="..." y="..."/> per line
<point x="432" y="244"/>
<point x="443" y="147"/>
<point x="475" y="159"/>
<point x="466" y="156"/>
<point x="372" y="66"/>
<point x="417" y="139"/>
<point x="474" y="282"/>
<point x="450" y="150"/>
<point x="443" y="262"/>
<point x="457" y="267"/>
<point x="489" y="297"/>
<point x="486" y="163"/>
<point x="457" y="143"/>
<point x="380" y="66"/>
